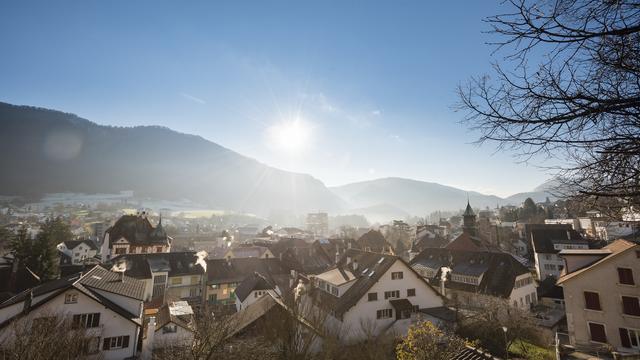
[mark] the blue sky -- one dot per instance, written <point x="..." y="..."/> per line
<point x="365" y="88"/>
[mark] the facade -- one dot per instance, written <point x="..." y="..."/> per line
<point x="225" y="275"/>
<point x="78" y="251"/>
<point x="602" y="297"/>
<point x="318" y="224"/>
<point x="370" y="294"/>
<point x="473" y="278"/>
<point x="547" y="241"/>
<point x="167" y="276"/>
<point x="174" y="324"/>
<point x="260" y="252"/>
<point x="134" y="234"/>
<point x="107" y="303"/>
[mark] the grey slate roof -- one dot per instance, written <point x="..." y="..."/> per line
<point x="255" y="281"/>
<point x="97" y="278"/>
<point x="371" y="267"/>
<point x="141" y="266"/>
<point x="102" y="279"/>
<point x="138" y="231"/>
<point x="220" y="271"/>
<point x="500" y="269"/>
<point x="543" y="238"/>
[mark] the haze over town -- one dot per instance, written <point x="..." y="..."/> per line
<point x="320" y="180"/>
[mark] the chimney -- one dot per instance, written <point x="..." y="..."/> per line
<point x="27" y="302"/>
<point x="348" y="260"/>
<point x="147" y="344"/>
<point x="355" y="265"/>
<point x="121" y="276"/>
<point x="337" y="256"/>
<point x="14" y="274"/>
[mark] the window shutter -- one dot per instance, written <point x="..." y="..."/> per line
<point x="631" y="305"/>
<point x="625" y="276"/>
<point x="96" y="320"/>
<point x="597" y="333"/>
<point x="106" y="345"/>
<point x="592" y="300"/>
<point x="624" y="338"/>
<point x="125" y="341"/>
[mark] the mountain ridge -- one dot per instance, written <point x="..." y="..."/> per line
<point x="72" y="154"/>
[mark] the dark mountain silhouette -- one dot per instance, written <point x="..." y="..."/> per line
<point x="46" y="151"/>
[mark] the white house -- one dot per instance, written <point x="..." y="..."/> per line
<point x="106" y="303"/>
<point x="174" y="325"/>
<point x="371" y="293"/>
<point x="602" y="299"/>
<point x="78" y="250"/>
<point x="255" y="286"/>
<point x="547" y="241"/>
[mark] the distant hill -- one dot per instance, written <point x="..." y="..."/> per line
<point x="412" y="196"/>
<point x="46" y="151"/>
<point x="421" y="198"/>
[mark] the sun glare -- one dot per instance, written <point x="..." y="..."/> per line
<point x="291" y="136"/>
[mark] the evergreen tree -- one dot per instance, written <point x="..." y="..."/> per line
<point x="22" y="247"/>
<point x="52" y="232"/>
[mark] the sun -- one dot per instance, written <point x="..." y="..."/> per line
<point x="290" y="136"/>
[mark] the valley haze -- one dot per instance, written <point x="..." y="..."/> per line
<point x="66" y="153"/>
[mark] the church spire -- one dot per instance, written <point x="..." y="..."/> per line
<point x="469" y="220"/>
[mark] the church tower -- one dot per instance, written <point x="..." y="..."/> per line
<point x="469" y="221"/>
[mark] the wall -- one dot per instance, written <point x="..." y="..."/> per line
<point x="182" y="336"/>
<point x="602" y="279"/>
<point x="111" y="324"/>
<point x="362" y="316"/>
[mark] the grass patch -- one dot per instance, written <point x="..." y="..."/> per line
<point x="525" y="350"/>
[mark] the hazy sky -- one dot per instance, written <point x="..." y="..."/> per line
<point x="345" y="91"/>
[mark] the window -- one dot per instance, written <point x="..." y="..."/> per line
<point x="592" y="300"/>
<point x="391" y="294"/>
<point x="160" y="279"/>
<point x="528" y="299"/>
<point x="630" y="338"/>
<point x="523" y="282"/>
<point x="396" y="275"/>
<point x="86" y="320"/>
<point x="170" y="328"/>
<point x="158" y="249"/>
<point x="195" y="280"/>
<point x="384" y="314"/>
<point x="415" y="308"/>
<point x="631" y="305"/>
<point x="118" y="342"/>
<point x="213" y="298"/>
<point x="625" y="276"/>
<point x="120" y="251"/>
<point x="373" y="296"/>
<point x="71" y="298"/>
<point x="193" y="292"/>
<point x="176" y="281"/>
<point x="411" y="292"/>
<point x="597" y="332"/>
